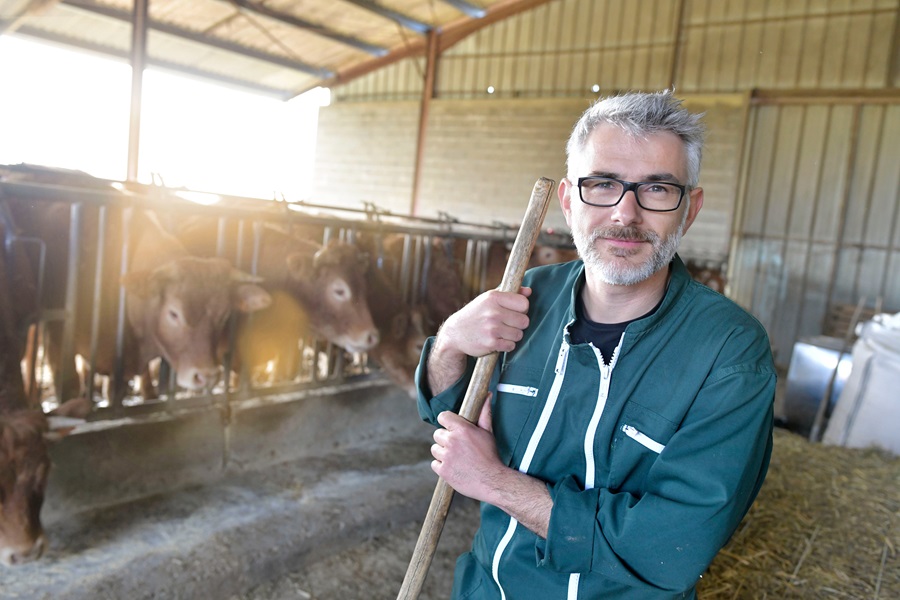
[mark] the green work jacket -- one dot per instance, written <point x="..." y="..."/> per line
<point x="651" y="460"/>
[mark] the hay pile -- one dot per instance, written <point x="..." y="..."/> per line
<point x="826" y="524"/>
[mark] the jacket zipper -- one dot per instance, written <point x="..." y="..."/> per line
<point x="643" y="439"/>
<point x="533" y="442"/>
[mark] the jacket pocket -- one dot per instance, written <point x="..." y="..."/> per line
<point x="467" y="577"/>
<point x="514" y="400"/>
<point x="640" y="437"/>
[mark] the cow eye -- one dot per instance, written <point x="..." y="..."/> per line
<point x="173" y="315"/>
<point x="340" y="290"/>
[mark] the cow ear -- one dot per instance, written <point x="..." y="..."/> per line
<point x="301" y="266"/>
<point x="140" y="283"/>
<point x="251" y="298"/>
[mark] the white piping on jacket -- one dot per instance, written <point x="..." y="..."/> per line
<point x="590" y="467"/>
<point x="529" y="455"/>
<point x="522" y="390"/>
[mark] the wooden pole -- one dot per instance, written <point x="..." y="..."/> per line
<point x="477" y="390"/>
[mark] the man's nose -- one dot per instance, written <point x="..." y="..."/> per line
<point x="628" y="210"/>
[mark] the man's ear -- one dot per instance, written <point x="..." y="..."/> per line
<point x="694" y="208"/>
<point x="564" y="192"/>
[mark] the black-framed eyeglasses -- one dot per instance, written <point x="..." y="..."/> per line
<point x="658" y="196"/>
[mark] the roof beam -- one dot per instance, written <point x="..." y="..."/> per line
<point x="467" y="8"/>
<point x="125" y="55"/>
<point x="387" y="13"/>
<point x="11" y="23"/>
<point x="311" y="27"/>
<point x="449" y="35"/>
<point x="187" y="34"/>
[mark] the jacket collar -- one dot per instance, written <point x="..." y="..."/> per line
<point x="678" y="284"/>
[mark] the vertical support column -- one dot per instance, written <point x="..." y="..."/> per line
<point x="138" y="60"/>
<point x="427" y="95"/>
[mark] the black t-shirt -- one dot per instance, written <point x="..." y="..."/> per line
<point x="604" y="336"/>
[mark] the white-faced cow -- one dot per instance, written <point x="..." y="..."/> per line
<point x="24" y="458"/>
<point x="316" y="290"/>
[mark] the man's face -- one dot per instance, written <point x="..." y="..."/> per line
<point x="626" y="244"/>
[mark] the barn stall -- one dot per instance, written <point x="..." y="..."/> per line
<point x="802" y="212"/>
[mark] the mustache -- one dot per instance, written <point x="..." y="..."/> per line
<point x="628" y="233"/>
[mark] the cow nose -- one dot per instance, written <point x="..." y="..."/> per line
<point x="20" y="556"/>
<point x="204" y="378"/>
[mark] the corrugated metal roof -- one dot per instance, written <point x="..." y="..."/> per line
<point x="280" y="47"/>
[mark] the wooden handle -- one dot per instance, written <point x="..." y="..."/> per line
<point x="477" y="390"/>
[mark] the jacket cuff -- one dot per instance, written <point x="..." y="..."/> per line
<point x="573" y="522"/>
<point x="431" y="406"/>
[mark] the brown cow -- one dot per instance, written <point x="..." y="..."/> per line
<point x="438" y="276"/>
<point x="402" y="331"/>
<point x="317" y="290"/>
<point x="24" y="458"/>
<point x="177" y="304"/>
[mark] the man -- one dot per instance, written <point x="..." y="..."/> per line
<point x="630" y="423"/>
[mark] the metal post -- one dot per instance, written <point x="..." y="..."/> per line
<point x="138" y="60"/>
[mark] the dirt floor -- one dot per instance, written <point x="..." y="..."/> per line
<point x="375" y="567"/>
<point x="826" y="525"/>
<point x="343" y="526"/>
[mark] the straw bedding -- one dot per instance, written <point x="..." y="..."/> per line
<point x="826" y="524"/>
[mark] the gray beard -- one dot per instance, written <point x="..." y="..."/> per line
<point x="614" y="274"/>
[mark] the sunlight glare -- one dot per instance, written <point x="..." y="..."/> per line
<point x="69" y="109"/>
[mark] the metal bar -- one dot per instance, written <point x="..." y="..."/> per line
<point x="108" y="51"/>
<point x="428" y="93"/>
<point x="8" y="26"/>
<point x="885" y="11"/>
<point x="117" y="382"/>
<point x="138" y="60"/>
<point x="393" y="15"/>
<point x="193" y="36"/>
<point x="826" y="96"/>
<point x="319" y="30"/>
<point x="467" y="8"/>
<point x="63" y="377"/>
<point x="97" y="300"/>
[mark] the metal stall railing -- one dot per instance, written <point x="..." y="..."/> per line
<point x="96" y="214"/>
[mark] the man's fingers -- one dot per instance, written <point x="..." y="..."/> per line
<point x="485" y="418"/>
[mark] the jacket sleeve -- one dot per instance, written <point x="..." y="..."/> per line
<point x="696" y="493"/>
<point x="450" y="399"/>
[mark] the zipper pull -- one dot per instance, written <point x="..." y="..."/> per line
<point x="563" y="356"/>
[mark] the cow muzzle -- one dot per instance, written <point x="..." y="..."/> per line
<point x="19" y="555"/>
<point x="198" y="379"/>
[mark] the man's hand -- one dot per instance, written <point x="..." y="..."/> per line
<point x="465" y="456"/>
<point x="492" y="322"/>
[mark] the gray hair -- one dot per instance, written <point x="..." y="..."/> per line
<point x="640" y="114"/>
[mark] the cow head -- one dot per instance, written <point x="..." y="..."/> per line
<point x="24" y="465"/>
<point x="179" y="311"/>
<point x="332" y="285"/>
